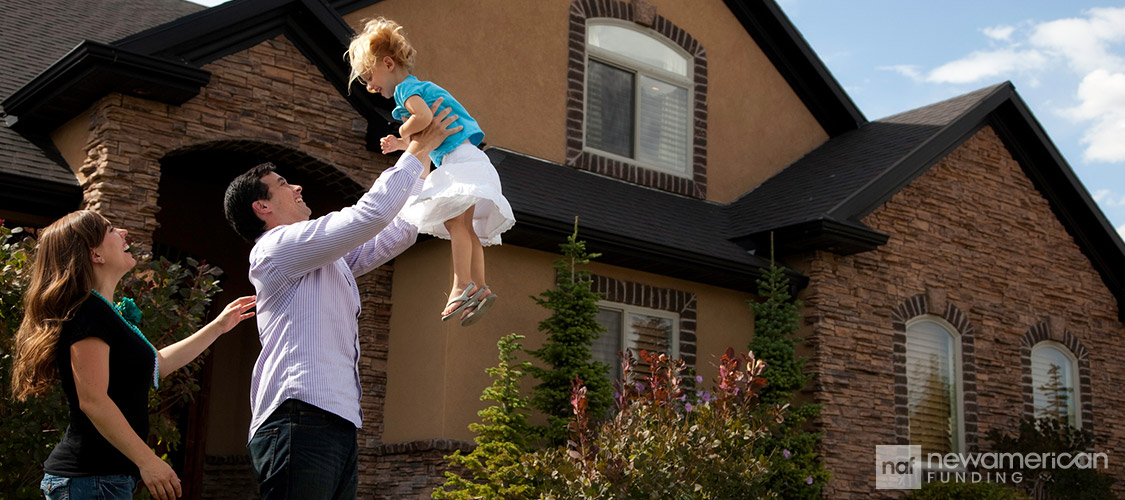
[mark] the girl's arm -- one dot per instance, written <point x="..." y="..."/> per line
<point x="89" y="359"/>
<point x="177" y="355"/>
<point x="420" y="117"/>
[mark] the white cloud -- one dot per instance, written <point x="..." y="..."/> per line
<point x="1107" y="198"/>
<point x="1002" y="32"/>
<point x="1088" y="46"/>
<point x="1084" y="43"/>
<point x="1101" y="98"/>
<point x="989" y="64"/>
<point x="910" y="71"/>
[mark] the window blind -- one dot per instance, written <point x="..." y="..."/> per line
<point x="663" y="124"/>
<point x="931" y="386"/>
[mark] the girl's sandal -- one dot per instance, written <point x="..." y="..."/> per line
<point x="466" y="298"/>
<point x="484" y="304"/>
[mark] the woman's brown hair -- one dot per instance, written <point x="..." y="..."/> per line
<point x="62" y="276"/>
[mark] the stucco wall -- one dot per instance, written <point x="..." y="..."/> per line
<point x="973" y="234"/>
<point x="435" y="371"/>
<point x="514" y="80"/>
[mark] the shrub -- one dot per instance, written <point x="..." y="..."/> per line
<point x="795" y="472"/>
<point x="1053" y="436"/>
<point x="966" y="491"/>
<point x="664" y="441"/>
<point x="493" y="467"/>
<point x="29" y="430"/>
<point x="174" y="299"/>
<point x="570" y="330"/>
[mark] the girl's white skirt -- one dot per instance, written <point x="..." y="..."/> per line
<point x="466" y="178"/>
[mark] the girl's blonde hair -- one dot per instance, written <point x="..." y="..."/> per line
<point x="62" y="276"/>
<point x="380" y="37"/>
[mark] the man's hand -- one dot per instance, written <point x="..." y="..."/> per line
<point x="424" y="142"/>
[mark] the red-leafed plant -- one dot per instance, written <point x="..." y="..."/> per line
<point x="665" y="440"/>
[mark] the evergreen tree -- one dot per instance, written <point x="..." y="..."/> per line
<point x="795" y="472"/>
<point x="492" y="470"/>
<point x="570" y="330"/>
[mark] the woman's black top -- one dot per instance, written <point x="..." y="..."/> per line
<point x="83" y="451"/>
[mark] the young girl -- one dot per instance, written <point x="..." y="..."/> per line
<point x="460" y="201"/>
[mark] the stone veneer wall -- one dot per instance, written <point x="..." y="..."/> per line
<point x="972" y="232"/>
<point x="411" y="471"/>
<point x="268" y="95"/>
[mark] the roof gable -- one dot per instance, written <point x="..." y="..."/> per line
<point x="820" y="200"/>
<point x="163" y="63"/>
<point x="36" y="33"/>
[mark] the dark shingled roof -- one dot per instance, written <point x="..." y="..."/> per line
<point x="817" y="185"/>
<point x="35" y="34"/>
<point x="642" y="228"/>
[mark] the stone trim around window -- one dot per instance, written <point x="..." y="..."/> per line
<point x="920" y="305"/>
<point x="580" y="11"/>
<point x="664" y="299"/>
<point x="1042" y="332"/>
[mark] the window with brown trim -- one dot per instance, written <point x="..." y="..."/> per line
<point x="637" y="98"/>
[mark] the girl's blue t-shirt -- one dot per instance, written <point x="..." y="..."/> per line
<point x="429" y="91"/>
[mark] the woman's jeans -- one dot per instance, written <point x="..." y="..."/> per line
<point x="116" y="487"/>
<point x="303" y="452"/>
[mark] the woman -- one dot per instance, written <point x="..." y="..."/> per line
<point x="71" y="330"/>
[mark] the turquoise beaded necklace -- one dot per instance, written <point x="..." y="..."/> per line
<point x="127" y="306"/>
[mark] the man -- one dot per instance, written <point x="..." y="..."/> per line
<point x="305" y="389"/>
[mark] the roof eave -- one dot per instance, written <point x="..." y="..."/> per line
<point x="546" y="234"/>
<point x="1050" y="173"/>
<point x="37" y="200"/>
<point x="841" y="238"/>
<point x="1040" y="160"/>
<point x="162" y="63"/>
<point x="314" y="26"/>
<point x="90" y="71"/>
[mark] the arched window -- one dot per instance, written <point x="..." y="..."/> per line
<point x="933" y="377"/>
<point x="1054" y="373"/>
<point x="639" y="97"/>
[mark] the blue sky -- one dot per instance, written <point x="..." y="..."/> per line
<point x="1066" y="59"/>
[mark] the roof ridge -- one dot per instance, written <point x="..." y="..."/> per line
<point x="957" y="99"/>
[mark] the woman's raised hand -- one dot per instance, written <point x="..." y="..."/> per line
<point x="235" y="312"/>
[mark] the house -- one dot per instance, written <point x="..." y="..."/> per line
<point x="947" y="257"/>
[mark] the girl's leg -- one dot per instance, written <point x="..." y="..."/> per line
<point x="477" y="265"/>
<point x="461" y="239"/>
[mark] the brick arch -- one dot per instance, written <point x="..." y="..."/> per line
<point x="1044" y="332"/>
<point x="580" y="12"/>
<point x="919" y="305"/>
<point x="284" y="157"/>
<point x="664" y="299"/>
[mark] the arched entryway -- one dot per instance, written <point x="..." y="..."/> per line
<point x="191" y="224"/>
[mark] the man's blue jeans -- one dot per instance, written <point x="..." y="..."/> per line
<point x="303" y="452"/>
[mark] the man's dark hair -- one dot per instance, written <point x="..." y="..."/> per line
<point x="238" y="203"/>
